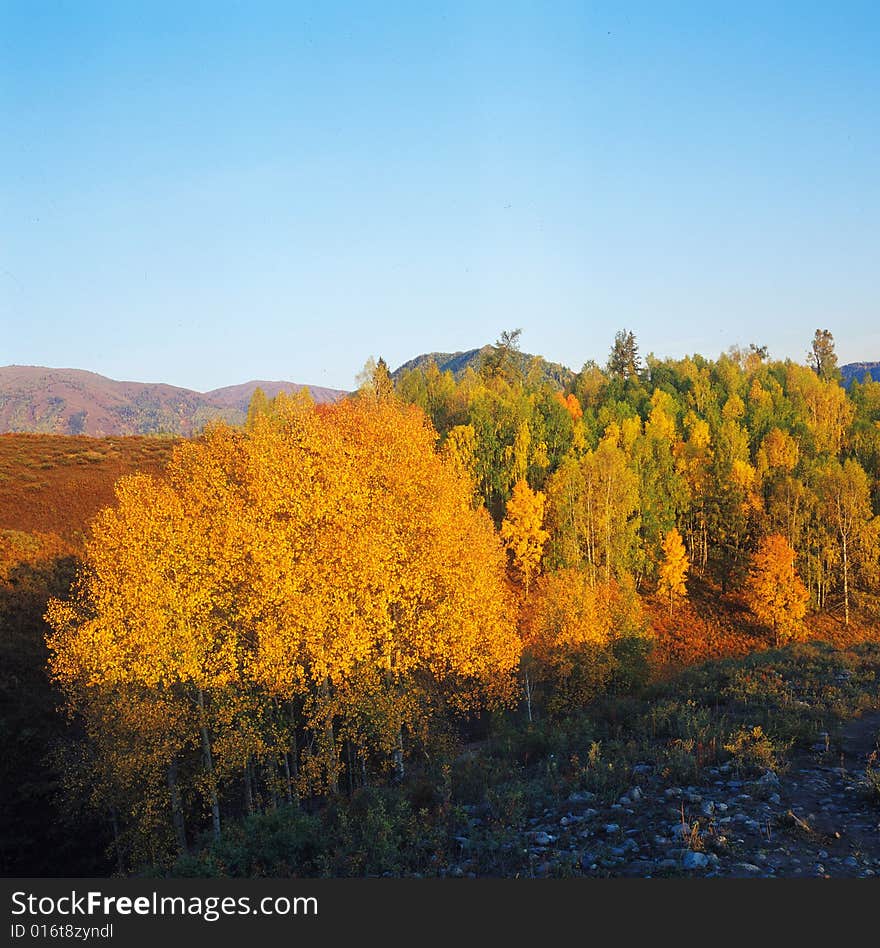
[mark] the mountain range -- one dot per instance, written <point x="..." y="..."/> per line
<point x="72" y="401"/>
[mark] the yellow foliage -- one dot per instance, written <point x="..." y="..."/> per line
<point x="674" y="567"/>
<point x="778" y="452"/>
<point x="774" y="590"/>
<point x="320" y="551"/>
<point x="570" y="626"/>
<point x="522" y="531"/>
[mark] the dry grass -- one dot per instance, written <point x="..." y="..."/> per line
<point x="55" y="484"/>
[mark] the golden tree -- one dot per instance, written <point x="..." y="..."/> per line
<point x="574" y="633"/>
<point x="523" y="531"/>
<point x="326" y="563"/>
<point x="774" y="591"/>
<point x="673" y="568"/>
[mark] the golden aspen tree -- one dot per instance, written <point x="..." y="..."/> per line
<point x="779" y="452"/>
<point x="523" y="531"/>
<point x="694" y="460"/>
<point x="298" y="576"/>
<point x="573" y="631"/>
<point x="673" y="568"/>
<point x="258" y="405"/>
<point x="845" y="496"/>
<point x="460" y="447"/>
<point x="774" y="591"/>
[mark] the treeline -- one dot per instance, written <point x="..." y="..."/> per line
<point x="726" y="452"/>
<point x="314" y="602"/>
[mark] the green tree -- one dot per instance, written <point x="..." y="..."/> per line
<point x="624" y="362"/>
<point x="822" y="356"/>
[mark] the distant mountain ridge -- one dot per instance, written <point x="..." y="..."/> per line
<point x="856" y="371"/>
<point x="459" y="362"/>
<point x="73" y="401"/>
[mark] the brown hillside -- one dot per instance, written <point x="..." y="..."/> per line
<point x="52" y="484"/>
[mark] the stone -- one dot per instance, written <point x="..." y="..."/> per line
<point x="767" y="780"/>
<point x="694" y="860"/>
<point x="582" y="796"/>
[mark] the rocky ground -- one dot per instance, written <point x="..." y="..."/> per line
<point x="815" y="818"/>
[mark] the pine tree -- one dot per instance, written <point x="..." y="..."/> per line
<point x="624" y="362"/>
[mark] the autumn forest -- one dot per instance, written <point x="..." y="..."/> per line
<point x="389" y="635"/>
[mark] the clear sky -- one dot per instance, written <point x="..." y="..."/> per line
<point x="205" y="193"/>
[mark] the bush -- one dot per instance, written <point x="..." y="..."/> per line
<point x="753" y="751"/>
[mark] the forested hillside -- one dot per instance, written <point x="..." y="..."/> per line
<point x="397" y="633"/>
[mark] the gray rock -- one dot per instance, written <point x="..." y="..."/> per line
<point x="768" y="779"/>
<point x="582" y="796"/>
<point x="694" y="860"/>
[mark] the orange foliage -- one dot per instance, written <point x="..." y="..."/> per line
<point x="774" y="590"/>
<point x="571" y="405"/>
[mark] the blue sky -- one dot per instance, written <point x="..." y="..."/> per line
<point x="204" y="193"/>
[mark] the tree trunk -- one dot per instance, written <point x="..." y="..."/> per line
<point x="177" y="817"/>
<point x="397" y="756"/>
<point x="248" y="788"/>
<point x="845" y="583"/>
<point x="272" y="783"/>
<point x="117" y="843"/>
<point x="330" y="744"/>
<point x="293" y="752"/>
<point x="209" y="767"/>
<point x="288" y="783"/>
